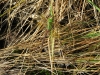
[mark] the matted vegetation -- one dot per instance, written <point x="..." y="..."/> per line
<point x="44" y="37"/>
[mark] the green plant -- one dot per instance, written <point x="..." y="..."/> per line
<point x="51" y="38"/>
<point x="92" y="34"/>
<point x="94" y="5"/>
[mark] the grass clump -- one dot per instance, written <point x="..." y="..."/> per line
<point x="58" y="37"/>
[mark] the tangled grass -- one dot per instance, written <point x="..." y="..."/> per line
<point x="26" y="46"/>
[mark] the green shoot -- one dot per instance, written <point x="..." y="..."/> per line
<point x="94" y="5"/>
<point x="51" y="38"/>
<point x="92" y="34"/>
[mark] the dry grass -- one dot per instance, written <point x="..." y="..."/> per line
<point x="27" y="44"/>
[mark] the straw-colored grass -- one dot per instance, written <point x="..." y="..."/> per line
<point x="70" y="45"/>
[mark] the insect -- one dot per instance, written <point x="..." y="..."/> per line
<point x="49" y="23"/>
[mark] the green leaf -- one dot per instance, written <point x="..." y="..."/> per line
<point x="92" y="34"/>
<point x="94" y="5"/>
